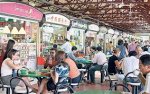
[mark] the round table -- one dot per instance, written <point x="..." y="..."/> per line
<point x="98" y="92"/>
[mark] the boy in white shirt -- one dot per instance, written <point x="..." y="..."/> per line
<point x="145" y="69"/>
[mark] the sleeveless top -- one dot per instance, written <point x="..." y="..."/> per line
<point x="5" y="69"/>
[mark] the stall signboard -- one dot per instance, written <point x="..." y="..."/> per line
<point x="90" y="34"/>
<point x="78" y="24"/>
<point x="20" y="10"/>
<point x="57" y="19"/>
<point x="93" y="27"/>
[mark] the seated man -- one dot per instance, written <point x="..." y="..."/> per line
<point x="98" y="60"/>
<point x="145" y="69"/>
<point x="71" y="54"/>
<point x="130" y="64"/>
<point x="50" y="60"/>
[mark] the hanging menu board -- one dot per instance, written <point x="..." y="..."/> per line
<point x="27" y="52"/>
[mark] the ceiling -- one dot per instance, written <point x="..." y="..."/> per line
<point x="128" y="15"/>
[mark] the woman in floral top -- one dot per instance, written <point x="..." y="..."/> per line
<point x="61" y="70"/>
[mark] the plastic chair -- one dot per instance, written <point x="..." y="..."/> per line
<point x="4" y="86"/>
<point x="76" y="84"/>
<point x="111" y="78"/>
<point x="18" y="89"/>
<point x="63" y="85"/>
<point x="117" y="85"/>
<point x="63" y="88"/>
<point x="134" y="85"/>
<point x="82" y="74"/>
<point x="103" y="71"/>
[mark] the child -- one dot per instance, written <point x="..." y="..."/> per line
<point x="145" y="69"/>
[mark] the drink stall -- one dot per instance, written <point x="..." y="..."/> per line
<point x="20" y="22"/>
<point x="54" y="31"/>
<point x="76" y="33"/>
<point x="91" y="34"/>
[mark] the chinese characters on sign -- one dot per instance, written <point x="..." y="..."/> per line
<point x="57" y="19"/>
<point x="21" y="10"/>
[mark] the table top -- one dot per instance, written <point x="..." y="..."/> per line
<point x="107" y="56"/>
<point x="33" y="75"/>
<point x="84" y="61"/>
<point x="98" y="92"/>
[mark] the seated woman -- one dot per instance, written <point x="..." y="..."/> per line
<point x="60" y="70"/>
<point x="7" y="69"/>
<point x="74" y="72"/>
<point x="114" y="62"/>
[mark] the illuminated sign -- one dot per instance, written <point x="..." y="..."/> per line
<point x="20" y="10"/>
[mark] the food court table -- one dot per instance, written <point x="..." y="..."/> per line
<point x="38" y="76"/>
<point x="98" y="92"/>
<point x="84" y="61"/>
<point x="33" y="75"/>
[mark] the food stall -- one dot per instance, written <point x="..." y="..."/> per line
<point x="76" y="33"/>
<point x="54" y="31"/>
<point x="115" y="37"/>
<point x="20" y="22"/>
<point x="101" y="36"/>
<point x="108" y="38"/>
<point x="91" y="34"/>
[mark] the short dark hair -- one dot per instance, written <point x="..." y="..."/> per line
<point x="55" y="46"/>
<point x="66" y="39"/>
<point x="145" y="59"/>
<point x="74" y="48"/>
<point x="11" y="52"/>
<point x="132" y="53"/>
<point x="120" y="42"/>
<point x="94" y="48"/>
<point x="145" y="48"/>
<point x="54" y="49"/>
<point x="99" y="48"/>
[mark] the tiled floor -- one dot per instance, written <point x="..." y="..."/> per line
<point x="84" y="86"/>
